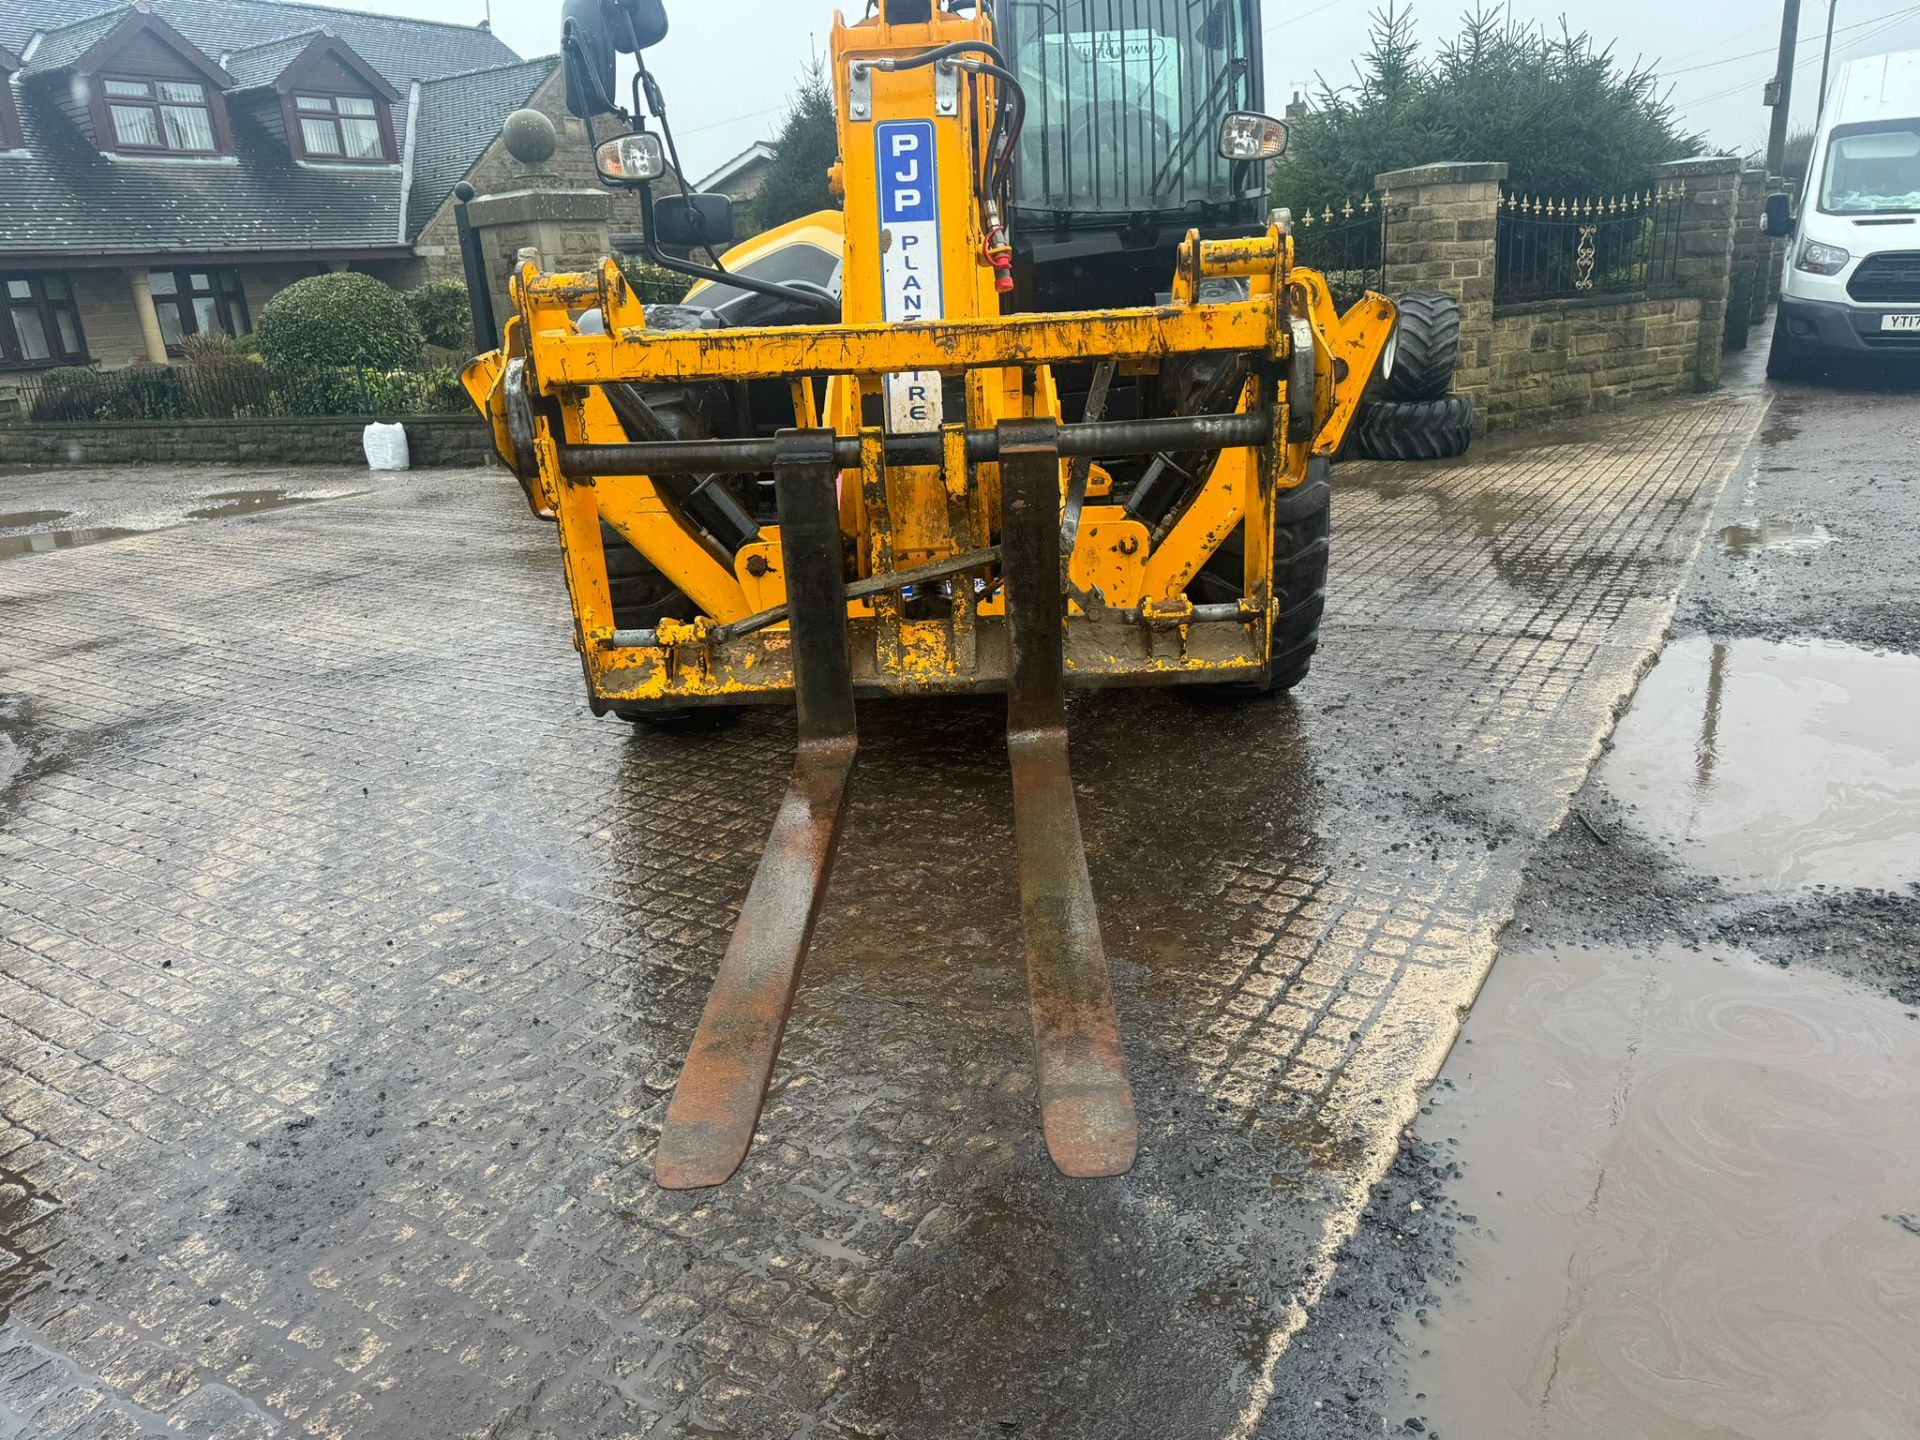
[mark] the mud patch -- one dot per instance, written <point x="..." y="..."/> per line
<point x="1685" y="1175"/>
<point x="1777" y="765"/>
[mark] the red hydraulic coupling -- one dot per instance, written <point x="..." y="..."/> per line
<point x="1000" y="257"/>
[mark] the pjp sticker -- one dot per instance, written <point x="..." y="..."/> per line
<point x="910" y="260"/>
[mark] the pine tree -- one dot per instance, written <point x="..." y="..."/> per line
<point x="805" y="149"/>
<point x="1566" y="116"/>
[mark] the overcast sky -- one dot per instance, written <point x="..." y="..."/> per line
<point x="729" y="64"/>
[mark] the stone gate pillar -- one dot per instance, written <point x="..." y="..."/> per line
<point x="1442" y="225"/>
<point x="566" y="226"/>
<point x="1704" y="265"/>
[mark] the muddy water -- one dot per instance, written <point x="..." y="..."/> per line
<point x="1695" y="1194"/>
<point x="1772" y="536"/>
<point x="250" y="502"/>
<point x="12" y="547"/>
<point x="1777" y="765"/>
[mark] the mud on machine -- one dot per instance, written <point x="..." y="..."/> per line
<point x="1043" y="403"/>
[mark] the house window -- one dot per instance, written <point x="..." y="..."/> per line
<point x="39" y="321"/>
<point x="340" y="127"/>
<point x="165" y="115"/>
<point x="198" y="302"/>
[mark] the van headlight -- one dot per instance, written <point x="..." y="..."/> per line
<point x="1818" y="259"/>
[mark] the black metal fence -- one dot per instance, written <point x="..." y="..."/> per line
<point x="1574" y="249"/>
<point x="1347" y="243"/>
<point x="234" y="391"/>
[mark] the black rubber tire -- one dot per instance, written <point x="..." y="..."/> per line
<point x="1428" y="430"/>
<point x="1429" y="348"/>
<point x="1783" y="361"/>
<point x="1302" y="545"/>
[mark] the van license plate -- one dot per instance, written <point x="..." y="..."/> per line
<point x="1900" y="322"/>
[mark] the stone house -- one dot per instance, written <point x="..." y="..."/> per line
<point x="168" y="166"/>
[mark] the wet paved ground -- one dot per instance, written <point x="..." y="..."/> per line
<point x="1668" y="1183"/>
<point x="345" y="964"/>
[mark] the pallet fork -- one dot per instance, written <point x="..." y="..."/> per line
<point x="1086" y="1104"/>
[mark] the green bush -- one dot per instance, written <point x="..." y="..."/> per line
<point x="444" y="314"/>
<point x="652" y="284"/>
<point x="338" y="319"/>
<point x="139" y="392"/>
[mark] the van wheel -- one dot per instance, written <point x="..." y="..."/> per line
<point x="1784" y="362"/>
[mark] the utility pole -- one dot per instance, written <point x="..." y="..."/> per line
<point x="1780" y="93"/>
<point x="1826" y="56"/>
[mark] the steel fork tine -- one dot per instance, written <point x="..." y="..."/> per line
<point x="716" y="1104"/>
<point x="1086" y="1104"/>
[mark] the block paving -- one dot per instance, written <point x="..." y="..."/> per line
<point x="346" y="963"/>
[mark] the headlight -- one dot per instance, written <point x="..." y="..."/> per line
<point x="1818" y="259"/>
<point x="1250" y="136"/>
<point x="630" y="159"/>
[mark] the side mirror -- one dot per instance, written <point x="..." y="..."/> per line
<point x="586" y="49"/>
<point x="642" y="24"/>
<point x="1779" y="217"/>
<point x="591" y="32"/>
<point x="688" y="222"/>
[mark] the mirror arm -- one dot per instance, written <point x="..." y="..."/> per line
<point x="655" y="255"/>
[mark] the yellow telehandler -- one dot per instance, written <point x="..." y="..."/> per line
<point x="1044" y="403"/>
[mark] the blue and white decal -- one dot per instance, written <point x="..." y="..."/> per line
<point x="910" y="260"/>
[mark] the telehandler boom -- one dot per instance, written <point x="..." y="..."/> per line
<point x="845" y="466"/>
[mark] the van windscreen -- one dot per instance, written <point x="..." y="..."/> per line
<point x="1872" y="169"/>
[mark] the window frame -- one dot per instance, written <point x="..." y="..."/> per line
<point x="12" y="353"/>
<point x="226" y="287"/>
<point x="382" y="118"/>
<point x="336" y="118"/>
<point x="157" y="107"/>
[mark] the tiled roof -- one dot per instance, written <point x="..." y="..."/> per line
<point x="9" y="61"/>
<point x="60" y="48"/>
<point x="401" y="50"/>
<point x="264" y="64"/>
<point x="460" y="116"/>
<point x="63" y="196"/>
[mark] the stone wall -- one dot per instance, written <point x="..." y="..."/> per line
<point x="1564" y="359"/>
<point x="432" y="441"/>
<point x="1557" y="360"/>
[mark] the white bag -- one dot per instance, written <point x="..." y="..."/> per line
<point x="386" y="447"/>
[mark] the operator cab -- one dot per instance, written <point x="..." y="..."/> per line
<point x="1122" y="154"/>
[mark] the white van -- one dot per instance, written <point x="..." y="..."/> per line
<point x="1852" y="285"/>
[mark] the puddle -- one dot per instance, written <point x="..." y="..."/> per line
<point x="249" y="502"/>
<point x="1740" y="541"/>
<point x="1693" y="1189"/>
<point x="1776" y="765"/>
<point x="12" y="547"/>
<point x="20" y="519"/>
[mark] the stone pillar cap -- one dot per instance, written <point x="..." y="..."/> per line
<point x="1444" y="172"/>
<point x="1705" y="165"/>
